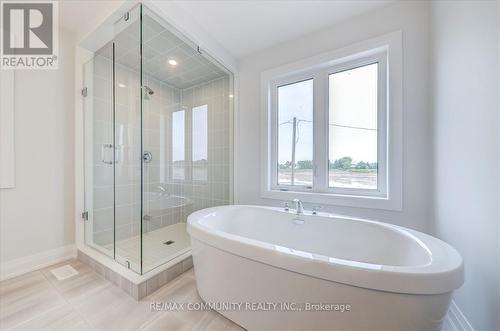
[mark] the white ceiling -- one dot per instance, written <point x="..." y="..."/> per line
<point x="245" y="27"/>
<point x="241" y="27"/>
<point x="77" y="15"/>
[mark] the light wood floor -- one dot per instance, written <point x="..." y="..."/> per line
<point x="87" y="301"/>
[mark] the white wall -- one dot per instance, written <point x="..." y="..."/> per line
<point x="37" y="215"/>
<point x="7" y="166"/>
<point x="466" y="70"/>
<point x="412" y="19"/>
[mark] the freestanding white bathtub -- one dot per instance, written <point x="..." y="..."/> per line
<point x="264" y="269"/>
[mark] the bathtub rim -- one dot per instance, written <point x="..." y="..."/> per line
<point x="442" y="274"/>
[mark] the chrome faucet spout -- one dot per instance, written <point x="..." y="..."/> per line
<point x="299" y="208"/>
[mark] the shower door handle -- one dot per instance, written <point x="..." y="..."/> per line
<point x="103" y="153"/>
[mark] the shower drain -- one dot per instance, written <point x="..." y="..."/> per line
<point x="169" y="242"/>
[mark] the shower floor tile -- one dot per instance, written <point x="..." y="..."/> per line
<point x="155" y="251"/>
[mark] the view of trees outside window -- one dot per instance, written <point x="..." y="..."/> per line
<point x="352" y="130"/>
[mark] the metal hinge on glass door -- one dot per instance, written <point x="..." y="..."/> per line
<point x="85" y="215"/>
<point x="84" y="92"/>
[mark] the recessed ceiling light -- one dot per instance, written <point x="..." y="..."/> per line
<point x="231" y="96"/>
<point x="122" y="85"/>
<point x="172" y="62"/>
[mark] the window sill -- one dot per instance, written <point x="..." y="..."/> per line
<point x="372" y="202"/>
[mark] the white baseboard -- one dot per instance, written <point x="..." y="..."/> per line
<point x="456" y="320"/>
<point x="37" y="261"/>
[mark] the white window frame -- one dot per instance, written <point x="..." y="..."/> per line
<point x="273" y="114"/>
<point x="187" y="118"/>
<point x="387" y="52"/>
<point x="198" y="181"/>
<point x="188" y="147"/>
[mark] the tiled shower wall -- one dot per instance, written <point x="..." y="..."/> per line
<point x="128" y="142"/>
<point x="157" y="134"/>
<point x="198" y="194"/>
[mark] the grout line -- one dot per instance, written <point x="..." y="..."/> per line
<point x="70" y="304"/>
<point x="172" y="283"/>
<point x="64" y="303"/>
<point x="36" y="316"/>
<point x="42" y="313"/>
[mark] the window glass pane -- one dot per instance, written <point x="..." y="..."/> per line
<point x="295" y="134"/>
<point x="178" y="145"/>
<point x="353" y="128"/>
<point x="200" y="143"/>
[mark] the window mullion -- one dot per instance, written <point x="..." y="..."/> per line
<point x="273" y="138"/>
<point x="188" y="145"/>
<point x="320" y="131"/>
<point x="382" y="127"/>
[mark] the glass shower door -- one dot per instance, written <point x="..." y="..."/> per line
<point x="128" y="140"/>
<point x="158" y="140"/>
<point x="98" y="149"/>
<point x="113" y="142"/>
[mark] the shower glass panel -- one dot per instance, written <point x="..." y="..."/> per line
<point x="98" y="157"/>
<point x="166" y="201"/>
<point x="187" y="130"/>
<point x="128" y="139"/>
<point x="159" y="133"/>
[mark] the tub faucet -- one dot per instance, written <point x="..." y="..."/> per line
<point x="298" y="206"/>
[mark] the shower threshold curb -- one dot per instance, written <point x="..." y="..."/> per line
<point x="147" y="285"/>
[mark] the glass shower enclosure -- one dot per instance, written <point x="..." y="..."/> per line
<point x="158" y="140"/>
